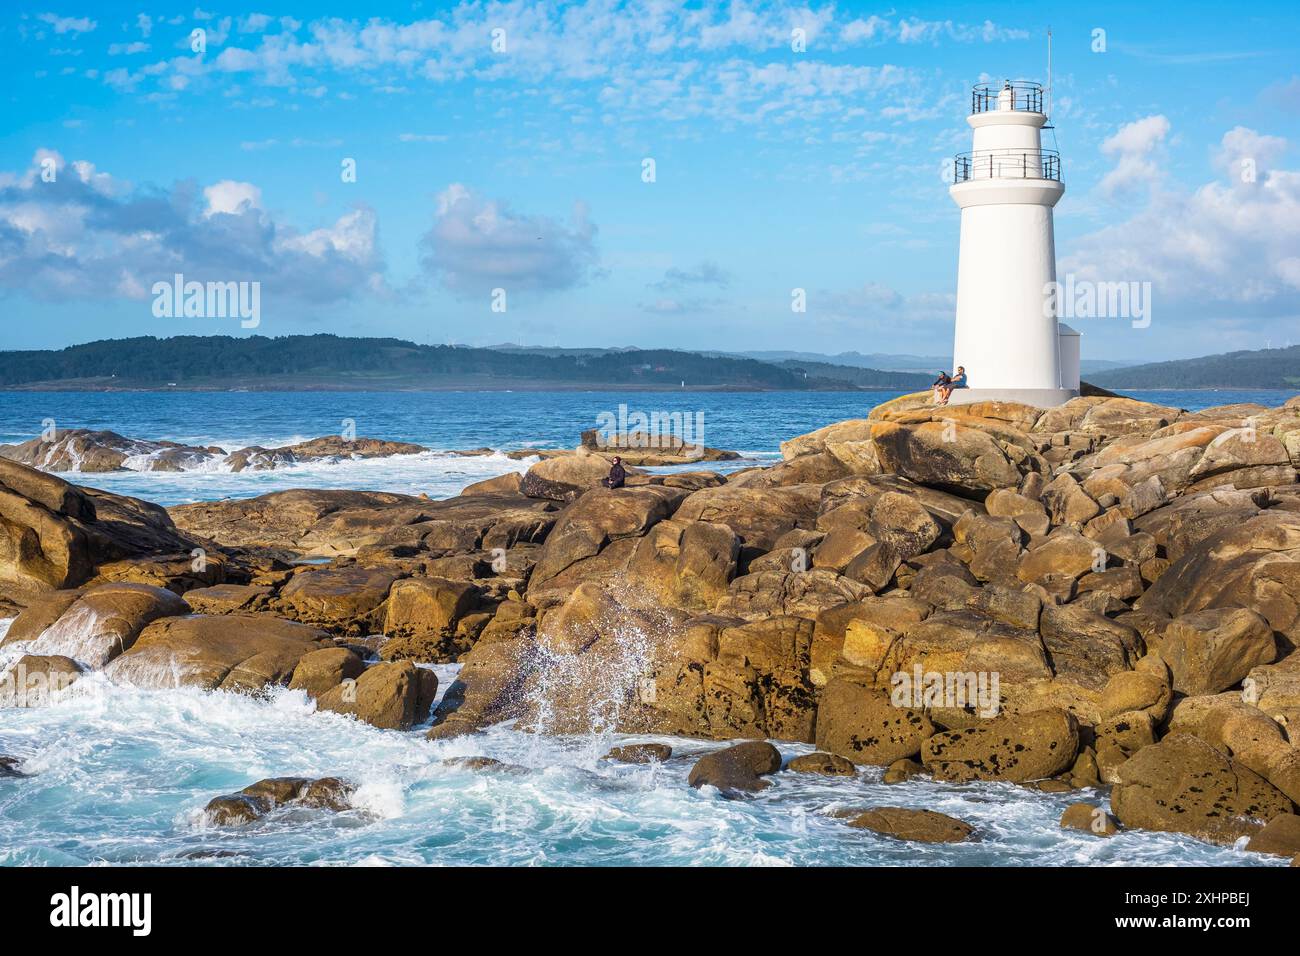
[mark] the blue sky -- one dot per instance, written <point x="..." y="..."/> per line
<point x="522" y="168"/>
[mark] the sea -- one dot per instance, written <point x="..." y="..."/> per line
<point x="120" y="775"/>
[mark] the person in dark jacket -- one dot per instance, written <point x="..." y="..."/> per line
<point x="940" y="384"/>
<point x="617" y="474"/>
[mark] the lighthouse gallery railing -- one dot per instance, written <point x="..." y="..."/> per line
<point x="1021" y="95"/>
<point x="1007" y="164"/>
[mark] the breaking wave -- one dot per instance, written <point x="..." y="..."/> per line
<point x="119" y="776"/>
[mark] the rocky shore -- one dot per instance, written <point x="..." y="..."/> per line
<point x="1102" y="597"/>
<point x="96" y="452"/>
<point x="92" y="452"/>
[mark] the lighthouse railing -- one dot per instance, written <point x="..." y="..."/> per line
<point x="1007" y="164"/>
<point x="1022" y="95"/>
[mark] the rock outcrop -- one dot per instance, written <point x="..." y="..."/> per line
<point x="257" y="800"/>
<point x="1184" y="785"/>
<point x="1100" y="593"/>
<point x="55" y="535"/>
<point x="916" y="826"/>
<point x="83" y="450"/>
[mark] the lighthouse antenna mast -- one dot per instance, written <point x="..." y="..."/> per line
<point x="1049" y="74"/>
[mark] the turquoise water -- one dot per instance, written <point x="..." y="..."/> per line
<point x="753" y="423"/>
<point x="120" y="775"/>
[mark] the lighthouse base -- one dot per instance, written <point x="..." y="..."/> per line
<point x="1038" y="397"/>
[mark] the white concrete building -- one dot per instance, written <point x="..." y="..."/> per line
<point x="1008" y="338"/>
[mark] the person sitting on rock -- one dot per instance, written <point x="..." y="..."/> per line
<point x="957" y="381"/>
<point x="617" y="474"/>
<point x="939" y="385"/>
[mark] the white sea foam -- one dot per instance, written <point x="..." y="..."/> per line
<point x="438" y="474"/>
<point x="152" y="759"/>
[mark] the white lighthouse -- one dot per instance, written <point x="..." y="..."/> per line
<point x="1008" y="338"/>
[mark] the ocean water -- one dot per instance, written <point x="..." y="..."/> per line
<point x="119" y="775"/>
<point x="751" y="423"/>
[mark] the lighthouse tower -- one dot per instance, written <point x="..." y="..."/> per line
<point x="1008" y="338"/>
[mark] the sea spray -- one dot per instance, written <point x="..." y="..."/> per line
<point x="591" y="682"/>
<point x="146" y="759"/>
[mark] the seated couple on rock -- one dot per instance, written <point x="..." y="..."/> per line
<point x="946" y="384"/>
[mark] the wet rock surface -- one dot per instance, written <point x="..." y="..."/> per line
<point x="738" y="769"/>
<point x="1128" y="572"/>
<point x="259" y="799"/>
<point x="918" y="826"/>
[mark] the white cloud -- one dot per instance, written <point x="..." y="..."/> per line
<point x="705" y="273"/>
<point x="1243" y="149"/>
<point x="645" y="57"/>
<point x="73" y="25"/>
<point x="1132" y="149"/>
<point x="255" y="23"/>
<point x="478" y="244"/>
<point x="231" y="197"/>
<point x="86" y="233"/>
<point x="1227" y="250"/>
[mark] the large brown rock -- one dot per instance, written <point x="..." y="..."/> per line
<point x="1183" y="785"/>
<point x="737" y="769"/>
<point x="41" y="611"/>
<point x="421" y="616"/>
<point x="853" y="430"/>
<point x="1209" y="651"/>
<point x="86" y="451"/>
<point x="758" y="516"/>
<point x="962" y="642"/>
<point x="916" y="826"/>
<point x="1016" y="748"/>
<point x="391" y="696"/>
<point x="37" y="681"/>
<point x="565" y="477"/>
<point x="1280" y="837"/>
<point x="490" y="684"/>
<point x="257" y="800"/>
<point x="901" y="521"/>
<point x="950" y="456"/>
<point x="229" y="598"/>
<point x="323" y="670"/>
<point x="600" y="516"/>
<point x="1243" y="448"/>
<point x="280" y="519"/>
<point x="227" y="652"/>
<point x="801" y="593"/>
<point x="1088" y="648"/>
<point x="343" y="600"/>
<point x="758" y="681"/>
<point x="55" y="535"/>
<point x="325" y="448"/>
<point x="1089" y="819"/>
<point x="1065" y="555"/>
<point x="104" y="621"/>
<point x="1252" y="560"/>
<point x="862" y="724"/>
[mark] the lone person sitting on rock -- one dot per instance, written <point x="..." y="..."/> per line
<point x="617" y="474"/>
